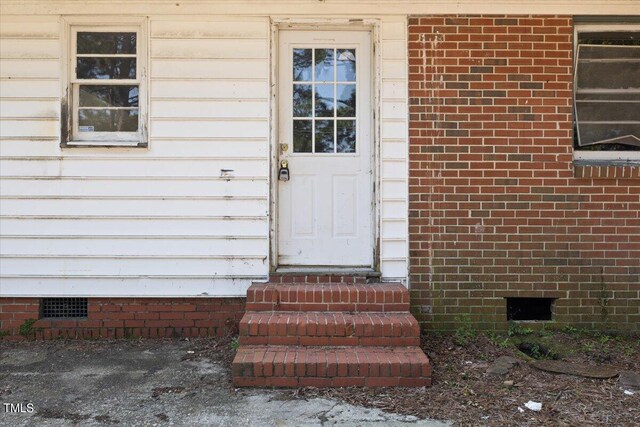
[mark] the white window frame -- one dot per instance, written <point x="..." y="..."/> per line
<point x="71" y="137"/>
<point x="601" y="156"/>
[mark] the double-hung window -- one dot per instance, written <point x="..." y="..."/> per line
<point x="607" y="91"/>
<point x="106" y="91"/>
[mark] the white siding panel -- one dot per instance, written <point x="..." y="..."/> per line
<point x="394" y="110"/>
<point x="394" y="128"/>
<point x="209" y="48"/>
<point x="392" y="247"/>
<point x="394" y="230"/>
<point x="394" y="49"/>
<point x="394" y="69"/>
<point x="30" y="89"/>
<point x="223" y="148"/>
<point x="210" y="89"/>
<point x="27" y="27"/>
<point x="137" y="286"/>
<point x="132" y="168"/>
<point x="214" y="29"/>
<point x="394" y="209"/>
<point x="394" y="30"/>
<point x="63" y="267"/>
<point x="394" y="170"/>
<point x="160" y="187"/>
<point x="134" y="246"/>
<point x="37" y="68"/>
<point x="394" y="189"/>
<point x="29" y="128"/>
<point x="204" y="129"/>
<point x="132" y="226"/>
<point x="220" y="147"/>
<point x="210" y="68"/>
<point x="21" y="108"/>
<point x="207" y="109"/>
<point x="394" y="149"/>
<point x="394" y="89"/>
<point x="133" y="207"/>
<point x="29" y="48"/>
<point x="395" y="269"/>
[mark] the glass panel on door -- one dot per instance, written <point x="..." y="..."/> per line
<point x="324" y="100"/>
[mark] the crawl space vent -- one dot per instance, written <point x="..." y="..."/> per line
<point x="529" y="308"/>
<point x="63" y="307"/>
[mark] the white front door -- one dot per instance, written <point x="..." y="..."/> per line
<point x="325" y="210"/>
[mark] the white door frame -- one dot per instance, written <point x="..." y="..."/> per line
<point x="312" y="24"/>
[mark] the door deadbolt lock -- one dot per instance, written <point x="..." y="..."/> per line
<point x="283" y="172"/>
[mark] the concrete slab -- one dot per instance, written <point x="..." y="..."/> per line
<point x="149" y="383"/>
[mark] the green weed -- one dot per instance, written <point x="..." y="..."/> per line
<point x="234" y="344"/>
<point x="464" y="332"/>
<point x="27" y="329"/>
<point x="499" y="340"/>
<point x="516" y="329"/>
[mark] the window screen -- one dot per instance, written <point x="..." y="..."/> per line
<point x="607" y="89"/>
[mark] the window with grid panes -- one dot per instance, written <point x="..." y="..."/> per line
<point x="106" y="84"/>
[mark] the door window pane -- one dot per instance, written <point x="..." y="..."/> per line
<point x="302" y="136"/>
<point x="346" y="65"/>
<point x="324" y="64"/>
<point x="302" y="60"/>
<point x="324" y="100"/>
<point x="346" y="133"/>
<point x="302" y="102"/>
<point x="324" y="136"/>
<point x="346" y="100"/>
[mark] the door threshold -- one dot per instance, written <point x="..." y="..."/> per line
<point x="321" y="270"/>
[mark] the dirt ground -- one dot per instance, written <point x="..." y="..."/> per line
<point x="176" y="382"/>
<point x="462" y="391"/>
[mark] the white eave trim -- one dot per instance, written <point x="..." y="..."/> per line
<point x="322" y="7"/>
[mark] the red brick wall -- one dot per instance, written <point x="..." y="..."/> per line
<point x="129" y="317"/>
<point x="496" y="208"/>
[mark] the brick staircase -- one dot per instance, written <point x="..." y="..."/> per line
<point x="329" y="331"/>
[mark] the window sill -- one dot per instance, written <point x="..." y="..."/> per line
<point x="104" y="144"/>
<point x="606" y="169"/>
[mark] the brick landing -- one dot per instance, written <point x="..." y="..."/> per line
<point x="335" y="332"/>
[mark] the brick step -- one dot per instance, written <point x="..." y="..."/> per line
<point x="329" y="329"/>
<point x="336" y="297"/>
<point x="292" y="366"/>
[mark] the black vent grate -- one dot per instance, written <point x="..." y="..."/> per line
<point x="530" y="308"/>
<point x="63" y="307"/>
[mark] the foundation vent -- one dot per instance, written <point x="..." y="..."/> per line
<point x="63" y="307"/>
<point x="529" y="308"/>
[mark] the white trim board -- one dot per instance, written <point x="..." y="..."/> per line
<point x="321" y="8"/>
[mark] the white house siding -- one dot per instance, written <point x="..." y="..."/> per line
<point x="156" y="221"/>
<point x="393" y="149"/>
